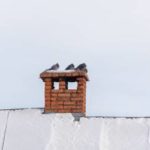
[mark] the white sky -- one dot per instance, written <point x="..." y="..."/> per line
<point x="112" y="37"/>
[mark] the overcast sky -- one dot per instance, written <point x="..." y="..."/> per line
<point x="111" y="36"/>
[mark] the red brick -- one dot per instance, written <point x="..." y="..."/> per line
<point x="53" y="102"/>
<point x="47" y="80"/>
<point x="47" y="105"/>
<point x="64" y="95"/>
<point x="62" y="84"/>
<point x="47" y="109"/>
<point x="63" y="111"/>
<point x="61" y="90"/>
<point x="47" y="96"/>
<point x="63" y="98"/>
<point x="74" y="95"/>
<point x="81" y="87"/>
<point x="69" y="103"/>
<point x="79" y="102"/>
<point x="54" y="91"/>
<point x="76" y="111"/>
<point x="54" y="94"/>
<point x="60" y="102"/>
<point x="62" y="87"/>
<point x="53" y="98"/>
<point x="76" y="99"/>
<point x="71" y="91"/>
<point x="53" y="110"/>
<point x="47" y="102"/>
<point x="48" y="87"/>
<point x="76" y="107"/>
<point x="60" y="107"/>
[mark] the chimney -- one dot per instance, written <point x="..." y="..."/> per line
<point x="65" y="99"/>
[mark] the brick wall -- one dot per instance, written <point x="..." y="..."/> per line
<point x="64" y="100"/>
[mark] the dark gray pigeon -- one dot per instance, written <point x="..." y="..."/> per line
<point x="70" y="67"/>
<point x="53" y="67"/>
<point x="85" y="70"/>
<point x="82" y="67"/>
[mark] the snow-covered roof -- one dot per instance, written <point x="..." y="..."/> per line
<point x="30" y="129"/>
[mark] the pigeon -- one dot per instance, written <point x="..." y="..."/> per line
<point x="82" y="67"/>
<point x="53" y="67"/>
<point x="85" y="70"/>
<point x="70" y="67"/>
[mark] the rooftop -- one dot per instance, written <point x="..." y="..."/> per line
<point x="30" y="129"/>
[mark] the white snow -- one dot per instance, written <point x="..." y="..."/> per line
<point x="3" y="121"/>
<point x="60" y="71"/>
<point x="30" y="129"/>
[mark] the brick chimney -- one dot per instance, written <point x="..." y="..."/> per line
<point x="63" y="99"/>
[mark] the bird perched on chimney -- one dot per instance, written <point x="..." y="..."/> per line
<point x="82" y="67"/>
<point x="53" y="67"/>
<point x="70" y="67"/>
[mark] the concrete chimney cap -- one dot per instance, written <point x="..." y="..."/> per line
<point x="68" y="74"/>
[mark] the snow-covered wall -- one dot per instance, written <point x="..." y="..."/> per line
<point x="31" y="130"/>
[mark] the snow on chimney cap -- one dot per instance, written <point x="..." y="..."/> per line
<point x="70" y="74"/>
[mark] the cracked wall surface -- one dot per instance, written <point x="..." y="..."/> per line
<point x="30" y="129"/>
